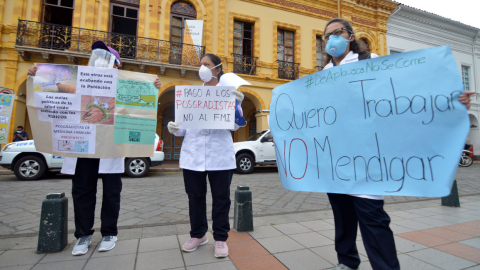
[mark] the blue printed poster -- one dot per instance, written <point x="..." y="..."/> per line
<point x="391" y="125"/>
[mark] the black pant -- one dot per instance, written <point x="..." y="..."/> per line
<point x="196" y="188"/>
<point x="84" y="193"/>
<point x="348" y="212"/>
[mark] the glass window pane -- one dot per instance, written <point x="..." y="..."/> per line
<point x="289" y="34"/>
<point x="279" y="34"/>
<point x="319" y="55"/>
<point x="237" y="42"/>
<point x="67" y="3"/>
<point x="177" y="39"/>
<point x="237" y="25"/>
<point x="52" y="2"/>
<point x="280" y="56"/>
<point x="319" y="63"/>
<point x="289" y="58"/>
<point x="280" y="49"/>
<point x="237" y="50"/>
<point x="176" y="31"/>
<point x="237" y="34"/>
<point x="120" y="11"/>
<point x="289" y="43"/>
<point x="132" y="13"/>
<point x="177" y="21"/>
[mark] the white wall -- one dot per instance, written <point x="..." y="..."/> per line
<point x="410" y="29"/>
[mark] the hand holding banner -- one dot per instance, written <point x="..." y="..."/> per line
<point x="385" y="126"/>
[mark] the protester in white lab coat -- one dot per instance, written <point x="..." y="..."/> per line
<point x="86" y="171"/>
<point x="349" y="211"/>
<point x="208" y="152"/>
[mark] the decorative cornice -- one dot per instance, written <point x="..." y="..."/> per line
<point x="366" y="22"/>
<point x="429" y="40"/>
<point x="423" y="17"/>
<point x="297" y="8"/>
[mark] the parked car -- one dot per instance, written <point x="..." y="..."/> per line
<point x="259" y="149"/>
<point x="29" y="164"/>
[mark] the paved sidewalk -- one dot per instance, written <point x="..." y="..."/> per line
<point x="428" y="236"/>
<point x="160" y="199"/>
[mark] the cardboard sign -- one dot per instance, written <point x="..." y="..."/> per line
<point x="83" y="111"/>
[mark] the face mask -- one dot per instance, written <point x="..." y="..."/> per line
<point x="336" y="46"/>
<point x="205" y="73"/>
<point x="19" y="131"/>
<point x="101" y="58"/>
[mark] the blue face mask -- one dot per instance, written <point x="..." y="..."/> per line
<point x="336" y="46"/>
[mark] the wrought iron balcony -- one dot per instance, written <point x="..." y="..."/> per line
<point x="244" y="64"/>
<point x="79" y="40"/>
<point x="288" y="70"/>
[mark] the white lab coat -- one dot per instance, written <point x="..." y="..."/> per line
<point x="207" y="149"/>
<point x="107" y="165"/>
<point x="350" y="58"/>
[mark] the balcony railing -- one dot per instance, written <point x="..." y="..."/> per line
<point x="288" y="70"/>
<point x="74" y="39"/>
<point x="244" y="64"/>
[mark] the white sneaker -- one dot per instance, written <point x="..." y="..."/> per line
<point x="81" y="247"/>
<point x="108" y="243"/>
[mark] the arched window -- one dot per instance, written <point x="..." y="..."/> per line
<point x="364" y="45"/>
<point x="180" y="11"/>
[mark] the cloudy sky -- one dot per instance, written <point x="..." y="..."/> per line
<point x="465" y="11"/>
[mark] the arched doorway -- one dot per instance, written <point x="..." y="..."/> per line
<point x="171" y="144"/>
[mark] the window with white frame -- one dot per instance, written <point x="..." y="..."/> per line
<point x="466" y="77"/>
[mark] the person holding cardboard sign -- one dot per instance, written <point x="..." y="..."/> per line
<point x="86" y="171"/>
<point x="364" y="211"/>
<point x="208" y="152"/>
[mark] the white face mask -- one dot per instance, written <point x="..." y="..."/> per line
<point x="205" y="73"/>
<point x="19" y="131"/>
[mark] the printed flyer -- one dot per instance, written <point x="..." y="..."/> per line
<point x="6" y="107"/>
<point x="83" y="111"/>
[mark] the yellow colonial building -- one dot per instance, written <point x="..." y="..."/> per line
<point x="267" y="42"/>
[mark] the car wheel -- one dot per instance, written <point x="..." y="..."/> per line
<point x="137" y="167"/>
<point x="245" y="163"/>
<point x="29" y="168"/>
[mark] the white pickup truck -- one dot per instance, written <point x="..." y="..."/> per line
<point x="259" y="149"/>
<point x="29" y="164"/>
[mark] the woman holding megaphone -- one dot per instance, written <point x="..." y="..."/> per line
<point x="208" y="152"/>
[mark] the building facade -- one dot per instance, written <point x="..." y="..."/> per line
<point x="412" y="29"/>
<point x="267" y="42"/>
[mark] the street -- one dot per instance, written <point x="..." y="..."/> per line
<point x="160" y="199"/>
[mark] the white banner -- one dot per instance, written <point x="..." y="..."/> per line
<point x="204" y="107"/>
<point x="193" y="32"/>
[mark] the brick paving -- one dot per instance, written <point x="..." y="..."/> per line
<point x="160" y="199"/>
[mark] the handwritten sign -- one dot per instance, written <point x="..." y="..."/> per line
<point x="386" y="126"/>
<point x="205" y="107"/>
